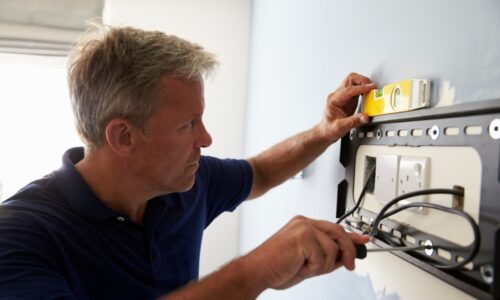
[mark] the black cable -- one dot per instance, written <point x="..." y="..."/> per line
<point x="477" y="238"/>
<point x="406" y="196"/>
<point x="370" y="176"/>
<point x="475" y="229"/>
<point x="384" y="214"/>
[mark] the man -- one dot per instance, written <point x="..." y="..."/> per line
<point x="123" y="219"/>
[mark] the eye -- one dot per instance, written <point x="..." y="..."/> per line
<point x="189" y="125"/>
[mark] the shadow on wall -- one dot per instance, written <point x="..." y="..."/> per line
<point x="362" y="289"/>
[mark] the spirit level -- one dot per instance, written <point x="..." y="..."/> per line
<point x="397" y="97"/>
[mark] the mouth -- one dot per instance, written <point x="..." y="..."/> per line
<point x="193" y="165"/>
<point x="195" y="161"/>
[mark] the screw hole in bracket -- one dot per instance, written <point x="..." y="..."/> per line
<point x="434" y="132"/>
<point x="494" y="129"/>
<point x="429" y="250"/>
<point x="488" y="273"/>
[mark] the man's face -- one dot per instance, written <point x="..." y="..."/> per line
<point x="169" y="152"/>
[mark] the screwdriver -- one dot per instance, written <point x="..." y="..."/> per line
<point x="361" y="250"/>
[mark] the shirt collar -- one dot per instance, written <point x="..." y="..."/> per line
<point x="81" y="198"/>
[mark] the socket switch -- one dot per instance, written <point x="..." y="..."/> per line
<point x="386" y="177"/>
<point x="413" y="176"/>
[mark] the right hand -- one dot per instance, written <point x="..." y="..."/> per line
<point x="304" y="248"/>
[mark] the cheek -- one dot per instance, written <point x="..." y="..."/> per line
<point x="175" y="157"/>
<point x="171" y="152"/>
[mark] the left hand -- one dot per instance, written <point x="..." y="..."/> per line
<point x="341" y="104"/>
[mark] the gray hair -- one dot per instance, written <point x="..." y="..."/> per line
<point x="114" y="72"/>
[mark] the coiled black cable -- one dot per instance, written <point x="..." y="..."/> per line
<point x="386" y="207"/>
<point x="475" y="228"/>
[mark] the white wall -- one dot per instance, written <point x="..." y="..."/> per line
<point x="221" y="27"/>
<point x="300" y="51"/>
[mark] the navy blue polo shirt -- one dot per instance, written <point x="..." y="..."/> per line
<point x="58" y="240"/>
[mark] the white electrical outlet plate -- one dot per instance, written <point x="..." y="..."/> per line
<point x="413" y="176"/>
<point x="386" y="178"/>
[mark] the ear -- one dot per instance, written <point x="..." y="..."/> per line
<point x="119" y="136"/>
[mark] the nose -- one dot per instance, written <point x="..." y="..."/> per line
<point x="205" y="139"/>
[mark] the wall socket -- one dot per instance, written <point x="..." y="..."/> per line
<point x="397" y="175"/>
<point x="413" y="174"/>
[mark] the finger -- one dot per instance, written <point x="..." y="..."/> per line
<point x="343" y="125"/>
<point x="344" y="242"/>
<point x="358" y="238"/>
<point x="345" y="95"/>
<point x="314" y="255"/>
<point x="330" y="251"/>
<point x="355" y="79"/>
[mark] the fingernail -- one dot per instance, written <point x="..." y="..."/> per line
<point x="363" y="118"/>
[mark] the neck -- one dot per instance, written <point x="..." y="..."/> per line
<point x="106" y="177"/>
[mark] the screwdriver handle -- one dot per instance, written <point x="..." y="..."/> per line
<point x="360" y="251"/>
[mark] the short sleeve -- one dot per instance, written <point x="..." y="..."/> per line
<point x="227" y="183"/>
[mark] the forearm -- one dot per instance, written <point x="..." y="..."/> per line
<point x="237" y="280"/>
<point x="283" y="160"/>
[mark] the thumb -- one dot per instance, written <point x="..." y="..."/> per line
<point x="346" y="124"/>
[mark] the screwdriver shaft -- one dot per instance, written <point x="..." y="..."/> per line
<point x="397" y="248"/>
